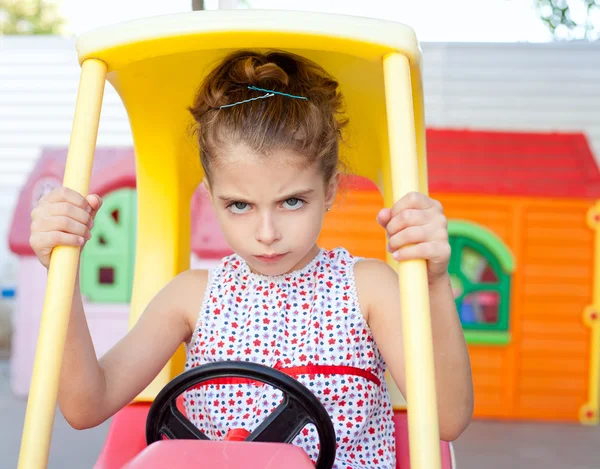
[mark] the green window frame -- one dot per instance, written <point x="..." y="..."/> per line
<point x="471" y="243"/>
<point x="107" y="260"/>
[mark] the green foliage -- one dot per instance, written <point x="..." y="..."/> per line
<point x="29" y="17"/>
<point x="571" y="19"/>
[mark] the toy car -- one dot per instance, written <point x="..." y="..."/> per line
<point x="155" y="65"/>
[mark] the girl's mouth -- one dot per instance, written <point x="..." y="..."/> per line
<point x="270" y="258"/>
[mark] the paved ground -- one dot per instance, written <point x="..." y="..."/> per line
<point x="494" y="445"/>
<point x="5" y="328"/>
<point x="485" y="445"/>
<point x="70" y="448"/>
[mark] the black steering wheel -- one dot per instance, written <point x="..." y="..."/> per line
<point x="299" y="408"/>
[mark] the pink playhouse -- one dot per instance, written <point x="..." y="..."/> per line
<point x="107" y="261"/>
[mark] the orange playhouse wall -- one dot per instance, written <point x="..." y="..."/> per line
<point x="543" y="374"/>
<point x="351" y="223"/>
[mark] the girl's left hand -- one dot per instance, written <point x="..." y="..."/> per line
<point x="418" y="229"/>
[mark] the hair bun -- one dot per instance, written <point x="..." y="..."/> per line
<point x="254" y="71"/>
<point x="311" y="126"/>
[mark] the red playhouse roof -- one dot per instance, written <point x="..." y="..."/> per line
<point x="512" y="163"/>
<point x="459" y="161"/>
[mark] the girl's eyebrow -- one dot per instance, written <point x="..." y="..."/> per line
<point x="292" y="195"/>
<point x="298" y="194"/>
<point x="228" y="198"/>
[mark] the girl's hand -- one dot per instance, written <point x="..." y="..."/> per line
<point x="417" y="229"/>
<point x="62" y="218"/>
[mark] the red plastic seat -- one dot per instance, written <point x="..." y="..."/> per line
<point x="126" y="443"/>
<point x="126" y="437"/>
<point x="202" y="454"/>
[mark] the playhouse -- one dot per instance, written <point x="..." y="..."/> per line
<point x="106" y="292"/>
<point x="524" y="217"/>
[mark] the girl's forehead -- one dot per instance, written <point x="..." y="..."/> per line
<point x="242" y="155"/>
<point x="278" y="171"/>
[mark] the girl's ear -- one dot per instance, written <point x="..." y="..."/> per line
<point x="332" y="187"/>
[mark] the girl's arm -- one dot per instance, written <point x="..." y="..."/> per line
<point x="417" y="229"/>
<point x="377" y="285"/>
<point x="91" y="391"/>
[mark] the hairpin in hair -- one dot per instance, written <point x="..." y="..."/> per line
<point x="269" y="94"/>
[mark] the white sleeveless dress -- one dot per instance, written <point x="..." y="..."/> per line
<point x="307" y="324"/>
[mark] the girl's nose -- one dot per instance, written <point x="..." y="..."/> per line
<point x="267" y="232"/>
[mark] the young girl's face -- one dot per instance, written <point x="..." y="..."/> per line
<point x="270" y="208"/>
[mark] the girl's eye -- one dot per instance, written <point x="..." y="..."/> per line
<point x="239" y="207"/>
<point x="294" y="204"/>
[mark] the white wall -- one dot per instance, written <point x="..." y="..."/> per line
<point x="552" y="86"/>
<point x="481" y="86"/>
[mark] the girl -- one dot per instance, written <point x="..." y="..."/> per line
<point x="268" y="127"/>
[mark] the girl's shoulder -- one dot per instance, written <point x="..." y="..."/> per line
<point x="376" y="281"/>
<point x="188" y="291"/>
<point x="367" y="266"/>
<point x="192" y="277"/>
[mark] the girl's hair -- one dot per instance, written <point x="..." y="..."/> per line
<point x="310" y="127"/>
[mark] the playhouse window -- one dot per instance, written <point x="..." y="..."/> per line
<point x="107" y="260"/>
<point x="480" y="269"/>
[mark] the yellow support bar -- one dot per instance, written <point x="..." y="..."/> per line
<point x="589" y="414"/>
<point x="420" y="377"/>
<point x="43" y="393"/>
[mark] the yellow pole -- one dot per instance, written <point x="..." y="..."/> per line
<point x="41" y="405"/>
<point x="420" y="378"/>
<point x="589" y="412"/>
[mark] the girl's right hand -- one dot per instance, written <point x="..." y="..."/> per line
<point x="62" y="218"/>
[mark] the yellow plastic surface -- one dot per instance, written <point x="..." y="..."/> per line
<point x="39" y="419"/>
<point x="416" y="319"/>
<point x="213" y="30"/>
<point x="590" y="412"/>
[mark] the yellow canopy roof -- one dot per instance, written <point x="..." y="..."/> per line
<point x="156" y="65"/>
